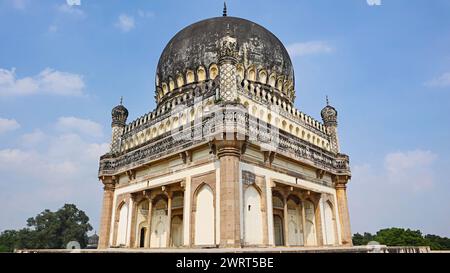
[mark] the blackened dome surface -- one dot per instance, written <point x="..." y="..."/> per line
<point x="119" y="115"/>
<point x="119" y="110"/>
<point x="198" y="45"/>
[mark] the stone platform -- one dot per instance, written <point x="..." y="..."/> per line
<point x="354" y="249"/>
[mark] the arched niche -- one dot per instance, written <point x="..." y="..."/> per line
<point x="122" y="225"/>
<point x="180" y="81"/>
<point x="330" y="224"/>
<point x="159" y="223"/>
<point x="262" y="76"/>
<point x="240" y="71"/>
<point x="253" y="226"/>
<point x="295" y="220"/>
<point x="142" y="222"/>
<point x="272" y="79"/>
<point x="201" y="74"/>
<point x="251" y="74"/>
<point x="190" y="78"/>
<point x="213" y="71"/>
<point x="310" y="223"/>
<point x="204" y="216"/>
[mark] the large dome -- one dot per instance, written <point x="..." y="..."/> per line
<point x="198" y="46"/>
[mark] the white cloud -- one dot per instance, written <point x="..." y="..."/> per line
<point x="145" y="14"/>
<point x="61" y="167"/>
<point x="309" y="48"/>
<point x="33" y="138"/>
<point x="125" y="23"/>
<point x="78" y="125"/>
<point x="7" y="125"/>
<point x="73" y="2"/>
<point x="374" y="2"/>
<point x="412" y="169"/>
<point x="408" y="189"/>
<point x="73" y="10"/>
<point x="48" y="81"/>
<point x="441" y="81"/>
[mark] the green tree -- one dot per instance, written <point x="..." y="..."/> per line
<point x="437" y="242"/>
<point x="49" y="230"/>
<point x="403" y="237"/>
<point x="359" y="239"/>
<point x="8" y="240"/>
<point x="400" y="237"/>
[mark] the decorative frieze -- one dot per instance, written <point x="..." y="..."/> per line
<point x="218" y="124"/>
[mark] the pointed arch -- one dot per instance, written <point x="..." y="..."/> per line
<point x="122" y="225"/>
<point x="294" y="221"/>
<point x="180" y="80"/>
<point x="330" y="223"/>
<point x="213" y="71"/>
<point x="240" y="71"/>
<point x="253" y="223"/>
<point x="190" y="77"/>
<point x="280" y="83"/>
<point x="310" y="223"/>
<point x="171" y="84"/>
<point x="165" y="88"/>
<point x="158" y="235"/>
<point x="272" y="79"/>
<point x="262" y="76"/>
<point x="142" y="222"/>
<point x="204" y="216"/>
<point x="201" y="74"/>
<point x="251" y="73"/>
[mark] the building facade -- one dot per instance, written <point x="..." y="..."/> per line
<point x="225" y="160"/>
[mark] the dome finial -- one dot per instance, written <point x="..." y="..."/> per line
<point x="224" y="8"/>
<point x="121" y="100"/>
<point x="326" y="97"/>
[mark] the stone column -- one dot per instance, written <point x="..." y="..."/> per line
<point x="318" y="219"/>
<point x="344" y="217"/>
<point x="186" y="211"/>
<point x="304" y="223"/>
<point x="107" y="209"/>
<point x="169" y="218"/>
<point x="149" y="221"/>
<point x="286" y="223"/>
<point x="269" y="211"/>
<point x="133" y="227"/>
<point x="229" y="152"/>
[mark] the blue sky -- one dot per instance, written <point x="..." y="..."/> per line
<point x="384" y="64"/>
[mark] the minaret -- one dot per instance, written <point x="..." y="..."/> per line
<point x="119" y="116"/>
<point x="329" y="117"/>
<point x="228" y="54"/>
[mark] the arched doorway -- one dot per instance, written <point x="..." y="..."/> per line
<point x="277" y="208"/>
<point x="330" y="238"/>
<point x="142" y="237"/>
<point x="142" y="223"/>
<point x="204" y="217"/>
<point x="176" y="228"/>
<point x="177" y="231"/>
<point x="122" y="225"/>
<point x="310" y="227"/>
<point x="278" y="230"/>
<point x="295" y="227"/>
<point x="253" y="232"/>
<point x="159" y="222"/>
